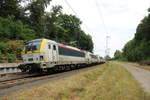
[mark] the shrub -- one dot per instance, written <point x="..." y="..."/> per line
<point x="3" y="47"/>
<point x="15" y="30"/>
<point x="11" y="57"/>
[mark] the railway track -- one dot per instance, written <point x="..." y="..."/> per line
<point x="35" y="77"/>
<point x="22" y="80"/>
<point x="18" y="81"/>
<point x="16" y="77"/>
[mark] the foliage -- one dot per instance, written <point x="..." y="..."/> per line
<point x="27" y="19"/>
<point x="138" y="48"/>
<point x="14" y="30"/>
<point x="71" y="24"/>
<point x="15" y="46"/>
<point x="11" y="57"/>
<point x="10" y="50"/>
<point x="73" y="30"/>
<point x="3" y="47"/>
<point x="85" y="42"/>
<point x="118" y="54"/>
<point x="11" y="8"/>
<point x="37" y="11"/>
<point x="107" y="58"/>
<point x="7" y="57"/>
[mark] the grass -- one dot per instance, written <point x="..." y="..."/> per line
<point x="108" y="82"/>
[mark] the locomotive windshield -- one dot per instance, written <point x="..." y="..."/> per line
<point x="32" y="46"/>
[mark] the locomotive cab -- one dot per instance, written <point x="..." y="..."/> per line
<point x="33" y="52"/>
<point x="39" y="54"/>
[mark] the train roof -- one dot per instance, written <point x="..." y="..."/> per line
<point x="60" y="44"/>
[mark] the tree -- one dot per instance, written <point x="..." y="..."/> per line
<point x="31" y="21"/>
<point x="148" y="9"/>
<point x="51" y="23"/>
<point x="118" y="54"/>
<point x="71" y="23"/>
<point x="73" y="30"/>
<point x="143" y="30"/>
<point x="11" y="8"/>
<point x="85" y="42"/>
<point x="138" y="48"/>
<point x="14" y="30"/>
<point x="37" y="11"/>
<point x="107" y="58"/>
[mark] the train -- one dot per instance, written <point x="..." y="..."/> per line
<point x="44" y="55"/>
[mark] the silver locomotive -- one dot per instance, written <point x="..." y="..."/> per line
<point x="44" y="54"/>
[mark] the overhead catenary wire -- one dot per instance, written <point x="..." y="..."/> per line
<point x="104" y="25"/>
<point x="87" y="28"/>
<point x="101" y="15"/>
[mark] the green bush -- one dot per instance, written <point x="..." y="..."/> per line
<point x="15" y="30"/>
<point x="1" y="58"/>
<point x="11" y="57"/>
<point x="3" y="47"/>
<point x="7" y="58"/>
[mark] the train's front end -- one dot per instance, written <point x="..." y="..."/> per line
<point x="33" y="55"/>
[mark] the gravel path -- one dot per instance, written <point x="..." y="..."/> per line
<point x="143" y="76"/>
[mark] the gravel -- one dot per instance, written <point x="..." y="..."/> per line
<point x="141" y="75"/>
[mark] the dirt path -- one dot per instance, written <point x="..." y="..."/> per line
<point x="143" y="76"/>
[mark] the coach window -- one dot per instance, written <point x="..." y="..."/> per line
<point x="49" y="46"/>
<point x="54" y="47"/>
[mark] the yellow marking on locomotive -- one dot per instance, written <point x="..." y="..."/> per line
<point x="36" y="51"/>
<point x="30" y="52"/>
<point x="22" y="53"/>
<point x="43" y="44"/>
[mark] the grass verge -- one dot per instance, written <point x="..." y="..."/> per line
<point x="108" y="82"/>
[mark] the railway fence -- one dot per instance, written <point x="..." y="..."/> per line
<point x="7" y="68"/>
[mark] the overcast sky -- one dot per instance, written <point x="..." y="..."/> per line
<point x="121" y="18"/>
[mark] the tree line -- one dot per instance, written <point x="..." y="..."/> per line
<point x="24" y="20"/>
<point x="137" y="49"/>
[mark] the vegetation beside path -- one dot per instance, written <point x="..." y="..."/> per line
<point x="137" y="49"/>
<point x="147" y="67"/>
<point x="107" y="82"/>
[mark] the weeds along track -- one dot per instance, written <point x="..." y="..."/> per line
<point x="35" y="77"/>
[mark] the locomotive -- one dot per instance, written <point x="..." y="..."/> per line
<point x="45" y="54"/>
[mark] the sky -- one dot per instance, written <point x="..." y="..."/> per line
<point x="117" y="19"/>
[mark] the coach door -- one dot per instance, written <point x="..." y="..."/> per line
<point x="54" y="53"/>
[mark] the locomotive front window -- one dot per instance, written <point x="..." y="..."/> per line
<point x="33" y="46"/>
